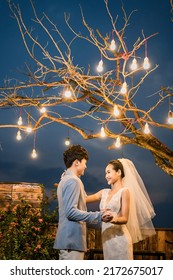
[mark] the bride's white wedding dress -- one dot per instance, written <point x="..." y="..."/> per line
<point x="116" y="239"/>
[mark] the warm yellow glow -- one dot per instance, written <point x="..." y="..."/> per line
<point x="20" y="121"/>
<point x="146" y="64"/>
<point x="134" y="65"/>
<point x="118" y="142"/>
<point x="116" y="111"/>
<point x="67" y="141"/>
<point x="124" y="88"/>
<point x="34" y="153"/>
<point x="102" y="132"/>
<point x="42" y="110"/>
<point x="18" y="136"/>
<point x="67" y="93"/>
<point x="112" y="45"/>
<point x="29" y="129"/>
<point x="170" y="117"/>
<point x="146" y="129"/>
<point x="100" y="66"/>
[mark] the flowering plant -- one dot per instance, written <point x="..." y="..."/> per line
<point x="28" y="233"/>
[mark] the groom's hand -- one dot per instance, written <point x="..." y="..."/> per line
<point x="107" y="216"/>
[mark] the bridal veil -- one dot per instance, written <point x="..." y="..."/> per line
<point x="141" y="211"/>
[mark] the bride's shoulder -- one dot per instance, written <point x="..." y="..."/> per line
<point x="124" y="190"/>
<point x="104" y="191"/>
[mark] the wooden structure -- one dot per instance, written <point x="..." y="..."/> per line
<point x="12" y="193"/>
<point x="159" y="246"/>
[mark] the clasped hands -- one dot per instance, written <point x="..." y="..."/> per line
<point x="107" y="215"/>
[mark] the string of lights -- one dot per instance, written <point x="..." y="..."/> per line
<point x="68" y="94"/>
<point x="104" y="94"/>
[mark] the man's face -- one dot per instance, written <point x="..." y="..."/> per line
<point x="81" y="167"/>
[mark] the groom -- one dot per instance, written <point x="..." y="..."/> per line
<point x="71" y="233"/>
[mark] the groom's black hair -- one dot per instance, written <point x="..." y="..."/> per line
<point x="73" y="153"/>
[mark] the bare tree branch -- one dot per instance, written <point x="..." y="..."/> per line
<point x="93" y="96"/>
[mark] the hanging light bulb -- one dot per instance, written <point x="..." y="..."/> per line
<point x="67" y="93"/>
<point x="100" y="66"/>
<point x="112" y="45"/>
<point x="116" y="111"/>
<point x="134" y="65"/>
<point x="42" y="110"/>
<point x="124" y="88"/>
<point x="34" y="153"/>
<point x="102" y="132"/>
<point x="170" y="117"/>
<point x="67" y="141"/>
<point x="118" y="142"/>
<point x="18" y="135"/>
<point x="29" y="129"/>
<point x="146" y="64"/>
<point x="20" y="121"/>
<point x="146" y="129"/>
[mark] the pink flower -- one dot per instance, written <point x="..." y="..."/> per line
<point x="37" y="247"/>
<point x="13" y="224"/>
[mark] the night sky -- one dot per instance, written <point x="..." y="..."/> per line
<point x="16" y="164"/>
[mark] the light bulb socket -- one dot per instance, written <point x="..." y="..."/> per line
<point x="170" y="114"/>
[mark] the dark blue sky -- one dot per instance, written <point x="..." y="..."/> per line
<point x="15" y="161"/>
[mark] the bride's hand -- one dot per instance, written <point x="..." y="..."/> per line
<point x="107" y="215"/>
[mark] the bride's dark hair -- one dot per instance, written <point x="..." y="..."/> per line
<point x="116" y="166"/>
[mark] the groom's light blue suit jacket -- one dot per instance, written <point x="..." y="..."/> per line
<point x="73" y="215"/>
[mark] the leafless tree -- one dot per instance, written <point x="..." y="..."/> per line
<point x="171" y="3"/>
<point x="72" y="94"/>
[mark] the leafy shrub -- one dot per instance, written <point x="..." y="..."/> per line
<point x="28" y="233"/>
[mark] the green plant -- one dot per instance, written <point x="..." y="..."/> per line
<point x="28" y="233"/>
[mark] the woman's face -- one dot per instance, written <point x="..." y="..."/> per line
<point x="112" y="175"/>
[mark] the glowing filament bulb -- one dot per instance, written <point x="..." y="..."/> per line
<point x="118" y="142"/>
<point x="34" y="153"/>
<point x="116" y="111"/>
<point x="124" y="88"/>
<point x="29" y="129"/>
<point x="100" y="66"/>
<point x="146" y="129"/>
<point x="42" y="110"/>
<point x="18" y="136"/>
<point x="112" y="45"/>
<point x="67" y="93"/>
<point x="67" y="141"/>
<point x="170" y="117"/>
<point x="102" y="132"/>
<point x="146" y="64"/>
<point x="134" y="65"/>
<point x="20" y="122"/>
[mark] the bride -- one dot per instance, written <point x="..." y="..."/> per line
<point x="128" y="201"/>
